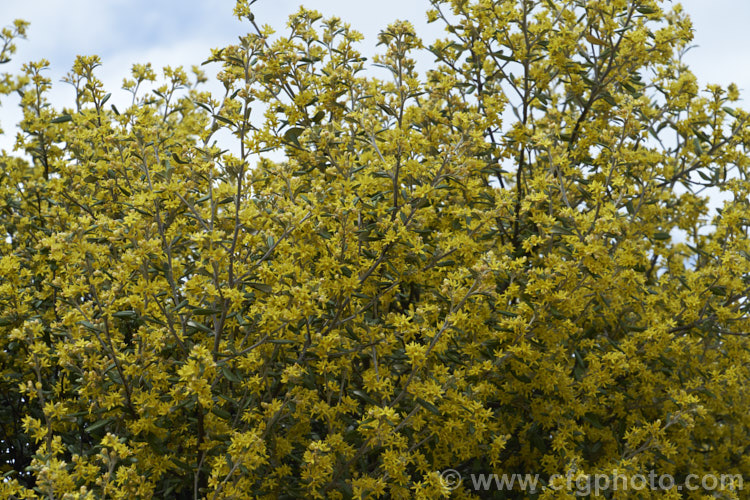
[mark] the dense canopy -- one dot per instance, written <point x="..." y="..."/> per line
<point x="322" y="284"/>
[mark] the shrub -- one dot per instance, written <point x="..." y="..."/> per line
<point x="510" y="264"/>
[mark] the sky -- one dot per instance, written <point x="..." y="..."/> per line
<point x="181" y="32"/>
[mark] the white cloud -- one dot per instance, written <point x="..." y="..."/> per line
<point x="721" y="41"/>
<point x="123" y="32"/>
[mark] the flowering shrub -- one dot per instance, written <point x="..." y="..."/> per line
<point x="509" y="264"/>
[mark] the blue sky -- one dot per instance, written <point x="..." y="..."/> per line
<point x="123" y="32"/>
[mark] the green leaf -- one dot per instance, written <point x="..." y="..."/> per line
<point x="697" y="146"/>
<point x="98" y="424"/>
<point x="180" y="305"/>
<point x="593" y="419"/>
<point x="7" y="320"/>
<point x="521" y="378"/>
<point x="364" y="396"/>
<point x="229" y="374"/>
<point x="292" y="135"/>
<point x="90" y="326"/>
<point x="261" y="287"/>
<point x="199" y="326"/>
<point x="181" y="464"/>
<point x="556" y="229"/>
<point x="61" y="119"/>
<point x="202" y="311"/>
<point x="428" y="406"/>
<point x="179" y="160"/>
<point x="224" y="119"/>
<point x="220" y="412"/>
<point x="126" y="314"/>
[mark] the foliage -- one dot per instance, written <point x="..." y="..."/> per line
<point x="510" y="264"/>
